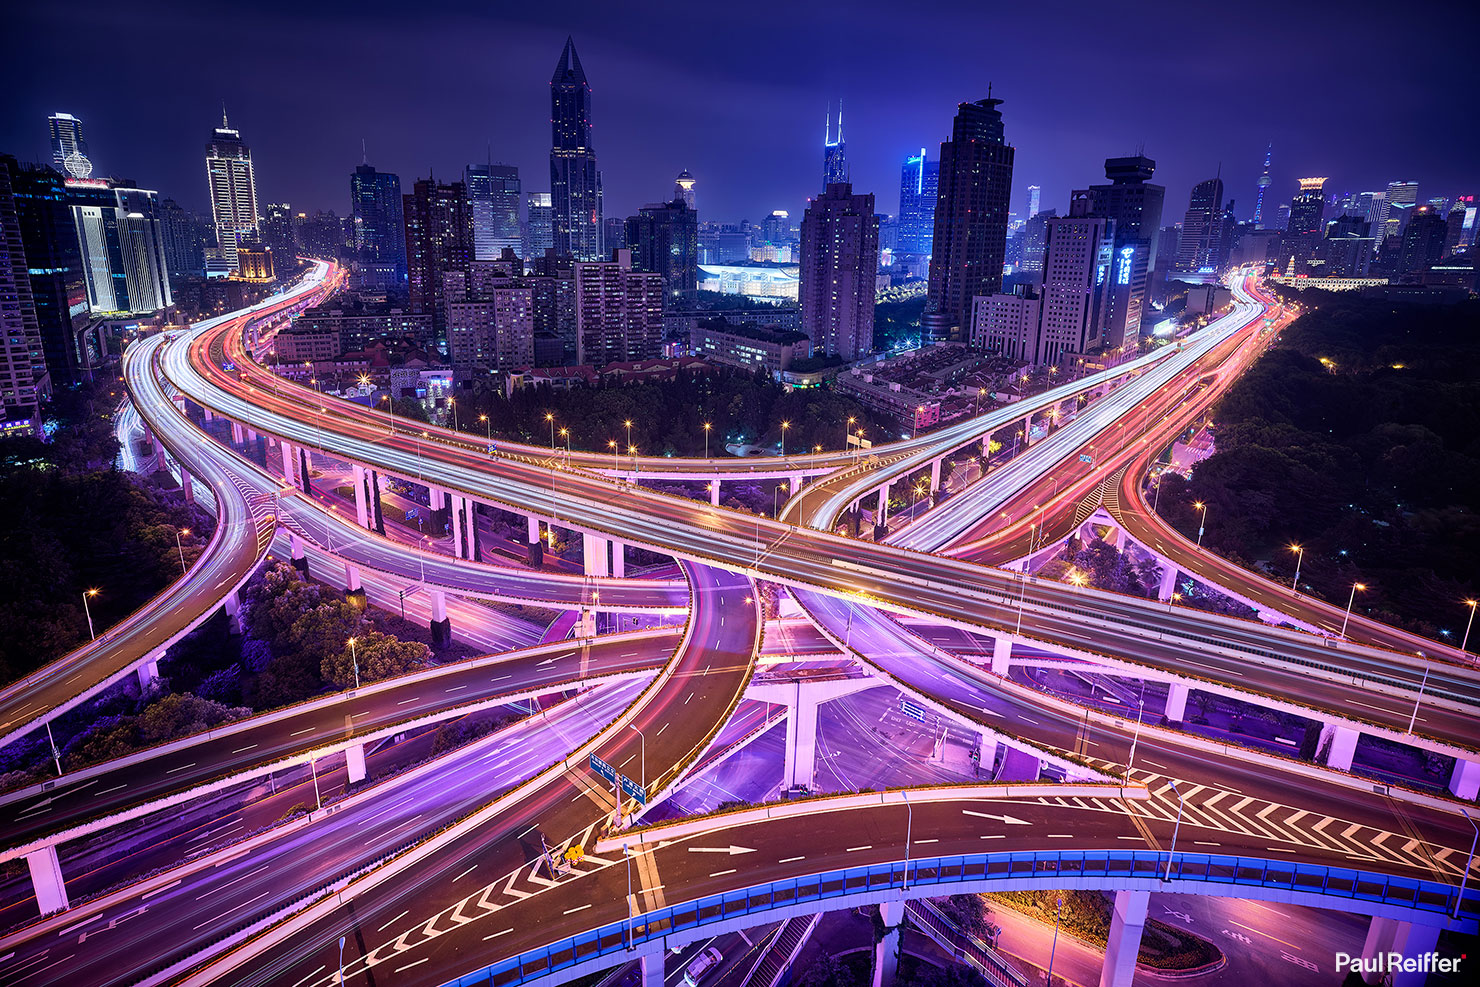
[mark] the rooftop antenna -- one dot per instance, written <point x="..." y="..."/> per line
<point x="364" y="154"/>
<point x="840" y="119"/>
<point x="224" y="124"/>
<point x="827" y="124"/>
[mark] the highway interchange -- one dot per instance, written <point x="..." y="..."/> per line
<point x="854" y="590"/>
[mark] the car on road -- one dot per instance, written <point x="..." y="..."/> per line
<point x="701" y="964"/>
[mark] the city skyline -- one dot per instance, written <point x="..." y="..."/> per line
<point x="718" y="98"/>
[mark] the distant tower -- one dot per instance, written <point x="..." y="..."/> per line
<point x="834" y="163"/>
<point x="68" y="149"/>
<point x="683" y="188"/>
<point x="1264" y="183"/>
<point x="1033" y="198"/>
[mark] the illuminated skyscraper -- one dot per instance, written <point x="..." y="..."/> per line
<point x="840" y="257"/>
<point x="575" y="184"/>
<point x="68" y="149"/>
<point x="539" y="232"/>
<point x="378" y="212"/>
<point x="1304" y="231"/>
<point x="1076" y="283"/>
<point x="919" y="183"/>
<point x="1401" y="198"/>
<point x="439" y="240"/>
<point x="1264" y="183"/>
<point x="1201" y="244"/>
<point x="971" y="207"/>
<point x="233" y="186"/>
<point x="121" y="237"/>
<point x="834" y="160"/>
<point x="664" y="239"/>
<point x="1032" y="206"/>
<point x="493" y="191"/>
<point x="1134" y="204"/>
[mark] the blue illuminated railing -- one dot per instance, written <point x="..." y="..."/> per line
<point x="612" y="939"/>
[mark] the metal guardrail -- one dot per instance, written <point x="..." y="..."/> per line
<point x="616" y="938"/>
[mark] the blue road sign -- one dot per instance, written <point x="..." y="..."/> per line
<point x="602" y="768"/>
<point x="1086" y="459"/>
<point x="912" y="710"/>
<point x="634" y="790"/>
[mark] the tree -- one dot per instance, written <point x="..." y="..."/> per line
<point x="379" y="656"/>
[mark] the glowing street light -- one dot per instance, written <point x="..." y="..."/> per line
<point x="708" y="427"/>
<point x="1470" y="623"/>
<point x="1349" y="600"/>
<point x="784" y="427"/>
<point x="354" y="660"/>
<point x="488" y="428"/>
<point x="180" y="548"/>
<point x="88" y="610"/>
<point x="1202" y="521"/>
<point x="550" y="417"/>
<point x="1299" y="558"/>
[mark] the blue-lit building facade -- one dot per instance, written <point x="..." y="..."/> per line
<point x="918" y="182"/>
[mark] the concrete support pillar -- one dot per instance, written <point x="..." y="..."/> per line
<point x="593" y="554"/>
<point x="362" y="501"/>
<point x="457" y="526"/>
<point x="536" y="545"/>
<point x="1001" y="654"/>
<point x="251" y="437"/>
<point x="886" y="951"/>
<point x="376" y="515"/>
<point x="935" y="475"/>
<point x="237" y="435"/>
<point x="208" y="414"/>
<point x="187" y="486"/>
<point x="437" y="502"/>
<point x="160" y="462"/>
<point x="619" y="559"/>
<point x="986" y="747"/>
<point x="233" y="607"/>
<point x="148" y="673"/>
<point x="1176" y="709"/>
<point x="46" y="880"/>
<point x="714" y="492"/>
<point x="986" y="445"/>
<point x="1340" y="743"/>
<point x="1168" y="584"/>
<point x="440" y="624"/>
<point x="287" y="449"/>
<point x="300" y="560"/>
<point x="1412" y="941"/>
<point x="534" y="530"/>
<point x="796" y="484"/>
<point x="305" y="471"/>
<point x="652" y="969"/>
<point x="1464" y="780"/>
<point x="1379" y="942"/>
<point x="354" y="763"/>
<point x="801" y="740"/>
<point x="353" y="590"/>
<point x="1027" y="431"/>
<point x="475" y="551"/>
<point x="1124" y="940"/>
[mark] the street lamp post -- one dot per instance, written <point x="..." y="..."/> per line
<point x="909" y="823"/>
<point x="612" y="445"/>
<point x="1463" y="645"/>
<point x="88" y="610"/>
<point x="1423" y="684"/>
<point x="1465" y="879"/>
<point x="488" y="431"/>
<point x="708" y="427"/>
<point x="1349" y="601"/>
<point x="452" y="403"/>
<point x="1299" y="558"/>
<point x="341" y="959"/>
<point x="1202" y="521"/>
<point x="848" y="432"/>
<point x="776" y="500"/>
<point x="784" y="427"/>
<point x="1175" y="829"/>
<point x="354" y="660"/>
<point x="1054" y="948"/>
<point x="628" y="854"/>
<point x="180" y="548"/>
<point x="627" y="423"/>
<point x="551" y="419"/>
<point x="1135" y="738"/>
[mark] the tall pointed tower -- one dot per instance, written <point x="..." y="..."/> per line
<point x="575" y="183"/>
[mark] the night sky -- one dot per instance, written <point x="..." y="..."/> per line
<point x="736" y="92"/>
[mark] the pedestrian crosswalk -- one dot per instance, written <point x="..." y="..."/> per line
<point x="1284" y="827"/>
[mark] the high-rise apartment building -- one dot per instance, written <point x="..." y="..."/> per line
<point x="919" y="184"/>
<point x="279" y="230"/>
<point x="185" y="235"/>
<point x="1460" y="213"/>
<point x="575" y="184"/>
<point x="121" y="239"/>
<point x="1372" y="206"/>
<point x="1030" y="209"/>
<point x="839" y="260"/>
<point x="1007" y="324"/>
<point x="1402" y="197"/>
<point x="971" y="208"/>
<point x="539" y="231"/>
<point x="439" y="239"/>
<point x="1201" y="244"/>
<point x="68" y="148"/>
<point x="24" y="381"/>
<point x="664" y="240"/>
<point x="494" y="191"/>
<point x="1423" y="239"/>
<point x="377" y="211"/>
<point x="233" y="187"/>
<point x="1076" y="296"/>
<point x="490" y="324"/>
<point x="619" y="311"/>
<point x="71" y="342"/>
<point x="1134" y="204"/>
<point x="834" y="157"/>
